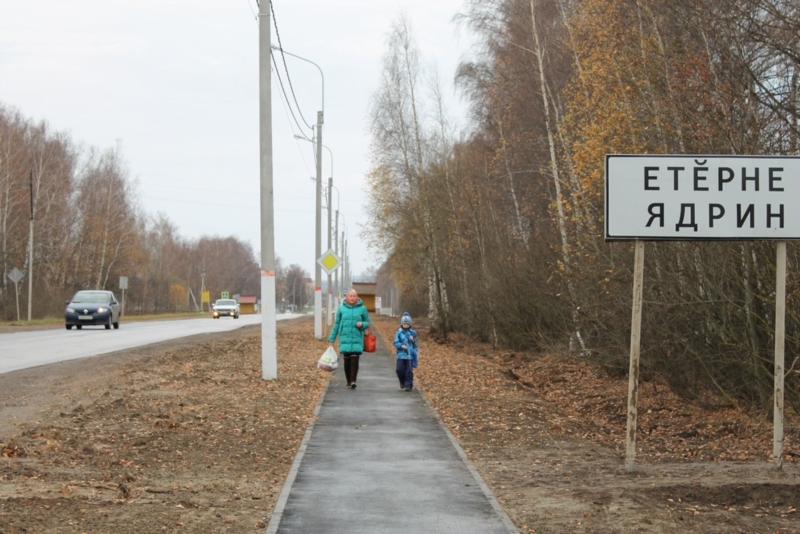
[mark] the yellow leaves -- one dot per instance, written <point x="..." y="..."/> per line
<point x="177" y="296"/>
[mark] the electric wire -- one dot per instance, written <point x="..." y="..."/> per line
<point x="280" y="80"/>
<point x="285" y="98"/>
<point x="286" y="110"/>
<point x="283" y="58"/>
<point x="255" y="15"/>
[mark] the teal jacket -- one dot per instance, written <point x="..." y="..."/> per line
<point x="351" y="338"/>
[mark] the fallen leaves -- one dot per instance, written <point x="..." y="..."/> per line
<point x="184" y="428"/>
<point x="193" y="436"/>
<point x="547" y="433"/>
<point x="13" y="450"/>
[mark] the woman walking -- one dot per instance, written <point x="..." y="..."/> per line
<point x="352" y="320"/>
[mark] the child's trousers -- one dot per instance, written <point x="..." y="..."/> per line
<point x="405" y="373"/>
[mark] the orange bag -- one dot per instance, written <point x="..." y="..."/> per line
<point x="370" y="341"/>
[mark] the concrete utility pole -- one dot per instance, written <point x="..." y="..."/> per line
<point x="269" y="344"/>
<point x="318" y="247"/>
<point x="337" y="289"/>
<point x="203" y="290"/>
<point x="30" y="254"/>
<point x="318" y="236"/>
<point x="328" y="315"/>
<point x="345" y="286"/>
<point x="346" y="266"/>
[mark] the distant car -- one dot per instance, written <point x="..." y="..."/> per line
<point x="227" y="307"/>
<point x="92" y="307"/>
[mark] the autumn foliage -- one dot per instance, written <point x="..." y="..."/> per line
<point x="497" y="230"/>
<point x="89" y="230"/>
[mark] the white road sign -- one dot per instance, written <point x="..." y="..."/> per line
<point x="329" y="261"/>
<point x="678" y="197"/>
<point x="15" y="275"/>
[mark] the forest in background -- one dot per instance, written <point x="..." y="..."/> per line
<point x="498" y="231"/>
<point x="89" y="230"/>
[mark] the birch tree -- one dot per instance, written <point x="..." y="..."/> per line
<point x="402" y="161"/>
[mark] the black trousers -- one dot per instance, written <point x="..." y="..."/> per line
<point x="350" y="366"/>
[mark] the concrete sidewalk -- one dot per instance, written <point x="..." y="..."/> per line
<point x="377" y="460"/>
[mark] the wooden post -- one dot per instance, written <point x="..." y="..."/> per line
<point x="633" y="372"/>
<point x="780" y="338"/>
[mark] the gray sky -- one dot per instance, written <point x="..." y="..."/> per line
<point x="175" y="84"/>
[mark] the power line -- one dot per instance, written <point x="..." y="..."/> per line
<point x="286" y="98"/>
<point x="255" y="15"/>
<point x="280" y="80"/>
<point x="283" y="58"/>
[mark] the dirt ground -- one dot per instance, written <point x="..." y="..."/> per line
<point x="185" y="436"/>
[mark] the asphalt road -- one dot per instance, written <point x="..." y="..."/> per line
<point x="377" y="460"/>
<point x="21" y="350"/>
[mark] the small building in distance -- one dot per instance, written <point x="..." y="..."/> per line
<point x="366" y="291"/>
<point x="248" y="304"/>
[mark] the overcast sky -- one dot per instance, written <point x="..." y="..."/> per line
<point x="174" y="83"/>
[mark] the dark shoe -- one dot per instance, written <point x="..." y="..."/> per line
<point x="408" y="389"/>
<point x="402" y="388"/>
<point x="353" y="385"/>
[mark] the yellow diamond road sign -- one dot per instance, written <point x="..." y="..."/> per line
<point x="329" y="261"/>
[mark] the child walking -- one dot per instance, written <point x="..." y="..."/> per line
<point x="407" y="344"/>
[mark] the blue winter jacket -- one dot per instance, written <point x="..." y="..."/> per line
<point x="351" y="338"/>
<point x="403" y="337"/>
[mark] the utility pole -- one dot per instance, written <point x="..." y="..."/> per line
<point x="269" y="343"/>
<point x="318" y="217"/>
<point x="318" y="247"/>
<point x="338" y="290"/>
<point x="328" y="315"/>
<point x="30" y="253"/>
<point x="203" y="290"/>
<point x="346" y="265"/>
<point x="345" y="285"/>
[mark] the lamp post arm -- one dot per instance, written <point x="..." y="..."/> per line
<point x="282" y="51"/>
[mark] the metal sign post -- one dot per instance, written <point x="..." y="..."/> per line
<point x="329" y="262"/>
<point x="16" y="275"/>
<point x="123" y="285"/>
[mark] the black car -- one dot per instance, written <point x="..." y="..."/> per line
<point x="92" y="308"/>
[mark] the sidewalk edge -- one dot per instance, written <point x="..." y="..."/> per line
<point x="277" y="512"/>
<point x="512" y="529"/>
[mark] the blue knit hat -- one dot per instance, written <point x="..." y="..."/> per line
<point x="405" y="319"/>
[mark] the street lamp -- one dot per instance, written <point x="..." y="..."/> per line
<point x="318" y="245"/>
<point x="343" y="255"/>
<point x="333" y="235"/>
<point x="328" y="318"/>
<point x="336" y="244"/>
<point x="331" y="299"/>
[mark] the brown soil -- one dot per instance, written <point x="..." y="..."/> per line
<point x="186" y="436"/>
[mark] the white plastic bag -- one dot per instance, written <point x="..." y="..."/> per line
<point x="329" y="361"/>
